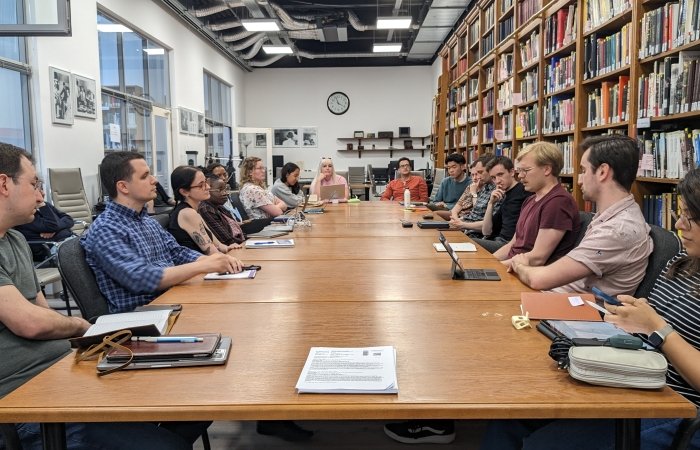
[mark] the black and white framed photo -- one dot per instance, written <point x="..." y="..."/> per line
<point x="62" y="110"/>
<point x="201" y="125"/>
<point x="191" y="122"/>
<point x="309" y="137"/>
<point x="260" y="140"/>
<point x="286" y="137"/>
<point x="85" y="96"/>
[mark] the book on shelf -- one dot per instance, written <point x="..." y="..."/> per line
<point x="606" y="54"/>
<point x="668" y="27"/>
<point x="609" y="103"/>
<point x="559" y="114"/>
<point x="530" y="49"/>
<point x="529" y="86"/>
<point x="336" y="370"/>
<point x="658" y="209"/>
<point x="668" y="154"/>
<point x="505" y="28"/>
<point x="560" y="73"/>
<point x="527" y="9"/>
<point x="597" y="12"/>
<point x="560" y="28"/>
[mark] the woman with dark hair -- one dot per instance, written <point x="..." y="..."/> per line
<point x="670" y="319"/>
<point x="258" y="203"/>
<point x="190" y="188"/>
<point x="287" y="188"/>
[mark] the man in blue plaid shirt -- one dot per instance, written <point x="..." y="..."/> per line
<point x="134" y="259"/>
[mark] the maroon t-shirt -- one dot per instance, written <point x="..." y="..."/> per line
<point x="556" y="210"/>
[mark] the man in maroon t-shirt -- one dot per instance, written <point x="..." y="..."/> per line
<point x="549" y="222"/>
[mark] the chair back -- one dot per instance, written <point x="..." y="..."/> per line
<point x="162" y="219"/>
<point x="344" y="174"/>
<point x="238" y="204"/>
<point x="585" y="218"/>
<point x="439" y="176"/>
<point x="356" y="175"/>
<point x="666" y="246"/>
<point x="80" y="280"/>
<point x="418" y="173"/>
<point x="68" y="195"/>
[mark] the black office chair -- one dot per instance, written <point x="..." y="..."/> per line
<point x="248" y="226"/>
<point x="80" y="280"/>
<point x="666" y="246"/>
<point x="10" y="436"/>
<point x="162" y="219"/>
<point x="585" y="218"/>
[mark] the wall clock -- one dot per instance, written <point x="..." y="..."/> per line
<point x="338" y="103"/>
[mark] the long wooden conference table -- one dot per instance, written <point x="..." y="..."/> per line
<point x="458" y="356"/>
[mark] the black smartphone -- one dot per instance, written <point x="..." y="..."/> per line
<point x="252" y="267"/>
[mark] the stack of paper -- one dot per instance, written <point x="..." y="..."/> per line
<point x="456" y="246"/>
<point x="365" y="370"/>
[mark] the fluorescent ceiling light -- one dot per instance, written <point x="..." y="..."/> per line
<point x="392" y="22"/>
<point x="386" y="48"/>
<point x="277" y="49"/>
<point x="113" y="28"/>
<point x="154" y="51"/>
<point x="260" y="25"/>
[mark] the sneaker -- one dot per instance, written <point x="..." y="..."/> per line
<point x="286" y="430"/>
<point x="422" y="432"/>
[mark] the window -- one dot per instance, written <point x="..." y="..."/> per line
<point x="14" y="73"/>
<point x="217" y="112"/>
<point x="42" y="18"/>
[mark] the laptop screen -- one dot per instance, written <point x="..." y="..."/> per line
<point x="450" y="251"/>
<point x="333" y="192"/>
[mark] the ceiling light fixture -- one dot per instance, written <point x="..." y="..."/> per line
<point x="387" y="48"/>
<point x="113" y="28"/>
<point x="277" y="49"/>
<point x="393" y="22"/>
<point x="260" y="25"/>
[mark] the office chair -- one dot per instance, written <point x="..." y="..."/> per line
<point x="585" y="218"/>
<point x="162" y="219"/>
<point x="10" y="436"/>
<point x="80" y="280"/>
<point x="68" y="195"/>
<point x="439" y="176"/>
<point x="666" y="246"/>
<point x="356" y="177"/>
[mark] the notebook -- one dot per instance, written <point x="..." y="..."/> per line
<point x="559" y="306"/>
<point x="141" y="323"/>
<point x="218" y="357"/>
<point x="333" y="192"/>
<point x="168" y="350"/>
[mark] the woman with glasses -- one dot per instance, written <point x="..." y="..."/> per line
<point x="287" y="188"/>
<point x="669" y="318"/>
<point x="190" y="189"/>
<point x="219" y="219"/>
<point x="257" y="201"/>
<point x="326" y="176"/>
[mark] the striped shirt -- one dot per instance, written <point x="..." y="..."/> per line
<point x="676" y="300"/>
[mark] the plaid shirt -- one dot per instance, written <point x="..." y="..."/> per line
<point x="128" y="252"/>
<point x="482" y="201"/>
<point x="221" y="223"/>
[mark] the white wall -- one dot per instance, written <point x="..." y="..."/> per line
<point x="81" y="145"/>
<point x="381" y="99"/>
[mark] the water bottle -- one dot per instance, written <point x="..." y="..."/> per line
<point x="406" y="198"/>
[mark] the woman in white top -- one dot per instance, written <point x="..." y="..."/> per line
<point x="287" y="188"/>
<point x="258" y="202"/>
<point x="326" y="176"/>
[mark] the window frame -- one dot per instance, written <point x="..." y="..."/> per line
<point x="61" y="28"/>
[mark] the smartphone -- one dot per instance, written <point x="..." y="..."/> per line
<point x="605" y="297"/>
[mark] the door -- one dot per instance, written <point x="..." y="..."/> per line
<point x="162" y="147"/>
<point x="257" y="142"/>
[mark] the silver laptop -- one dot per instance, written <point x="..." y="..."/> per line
<point x="217" y="358"/>
<point x="333" y="192"/>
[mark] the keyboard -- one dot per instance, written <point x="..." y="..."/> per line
<point x="474" y="274"/>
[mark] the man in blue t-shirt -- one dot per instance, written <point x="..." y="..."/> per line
<point x="452" y="187"/>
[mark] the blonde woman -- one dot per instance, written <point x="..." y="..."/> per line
<point x="257" y="201"/>
<point x="326" y="176"/>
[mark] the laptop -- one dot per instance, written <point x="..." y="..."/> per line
<point x="318" y="210"/>
<point x="217" y="358"/>
<point x="333" y="192"/>
<point x="460" y="273"/>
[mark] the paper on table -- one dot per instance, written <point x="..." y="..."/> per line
<point x="231" y="276"/>
<point x="457" y="246"/>
<point x="365" y="370"/>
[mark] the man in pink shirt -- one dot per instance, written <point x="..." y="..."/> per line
<point x="416" y="185"/>
<point x="614" y="252"/>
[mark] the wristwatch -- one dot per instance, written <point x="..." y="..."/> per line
<point x="475" y="195"/>
<point x="657" y="338"/>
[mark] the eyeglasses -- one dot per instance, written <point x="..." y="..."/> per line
<point x="683" y="218"/>
<point x="523" y="172"/>
<point x="223" y="191"/>
<point x="36" y="183"/>
<point x="404" y="165"/>
<point x="200" y="185"/>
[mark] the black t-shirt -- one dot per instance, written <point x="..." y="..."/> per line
<point x="506" y="219"/>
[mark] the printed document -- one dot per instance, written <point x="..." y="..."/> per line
<point x="364" y="370"/>
<point x="456" y="246"/>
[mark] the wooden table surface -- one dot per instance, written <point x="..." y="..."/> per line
<point x="455" y="360"/>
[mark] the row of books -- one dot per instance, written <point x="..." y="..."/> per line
<point x="506" y="126"/>
<point x="505" y="5"/>
<point x="527" y="124"/>
<point x="560" y="73"/>
<point x="597" y="12"/>
<point x="609" y="103"/>
<point x="505" y="28"/>
<point x="473" y="32"/>
<point x="473" y="84"/>
<point x="462" y="118"/>
<point x="669" y="26"/>
<point x="559" y="115"/>
<point x="488" y="77"/>
<point x="505" y="95"/>
<point x="568" y="153"/>
<point x="488" y="132"/>
<point x="672" y="87"/>
<point x="487" y="43"/>
<point x="657" y="209"/>
<point x="527" y="9"/>
<point x="605" y="54"/>
<point x="530" y="49"/>
<point x="461" y="94"/>
<point x="669" y="154"/>
<point x="504" y="150"/>
<point x="489" y="17"/>
<point x="461" y="67"/>
<point x="474" y="131"/>
<point x="487" y="103"/>
<point x="473" y="111"/>
<point x="528" y="86"/>
<point x="560" y="29"/>
<point x="506" y="62"/>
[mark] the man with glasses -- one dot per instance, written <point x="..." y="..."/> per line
<point x="549" y="222"/>
<point x="416" y="185"/>
<point x="452" y="187"/>
<point x="614" y="251"/>
<point x="134" y="259"/>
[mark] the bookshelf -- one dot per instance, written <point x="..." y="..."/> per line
<point x="564" y="70"/>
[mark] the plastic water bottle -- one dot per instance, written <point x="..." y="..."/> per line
<point x="406" y="198"/>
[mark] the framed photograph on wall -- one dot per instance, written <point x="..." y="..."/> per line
<point x="309" y="137"/>
<point x="260" y="140"/>
<point x="285" y="137"/>
<point x="201" y="125"/>
<point x="184" y="120"/>
<point x="193" y="123"/>
<point x="85" y="96"/>
<point x="62" y="108"/>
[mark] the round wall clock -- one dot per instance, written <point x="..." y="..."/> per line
<point x="338" y="103"/>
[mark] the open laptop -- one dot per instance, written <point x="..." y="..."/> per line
<point x="333" y="192"/>
<point x="460" y="273"/>
<point x="219" y="357"/>
<point x="317" y="210"/>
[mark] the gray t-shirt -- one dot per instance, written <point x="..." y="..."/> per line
<point x="22" y="358"/>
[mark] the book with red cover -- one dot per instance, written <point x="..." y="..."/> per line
<point x="556" y="306"/>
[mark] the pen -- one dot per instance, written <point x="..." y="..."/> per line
<point x="264" y="243"/>
<point x="167" y="339"/>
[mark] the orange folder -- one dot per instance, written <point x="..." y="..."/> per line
<point x="556" y="306"/>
